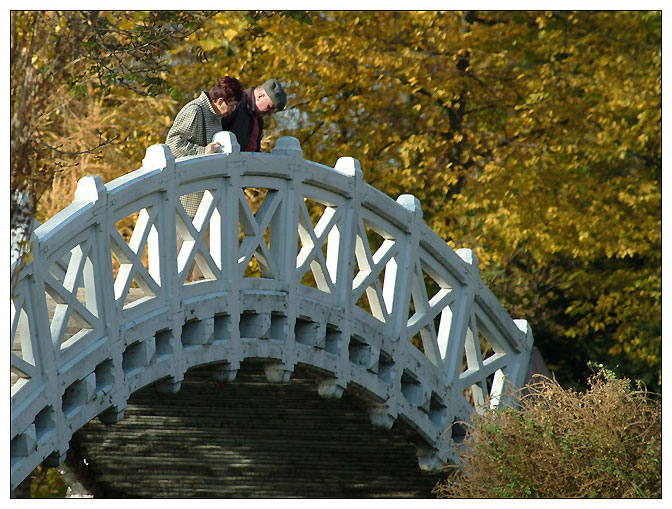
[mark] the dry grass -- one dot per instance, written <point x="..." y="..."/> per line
<point x="602" y="443"/>
<point x="131" y="126"/>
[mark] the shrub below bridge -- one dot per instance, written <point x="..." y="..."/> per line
<point x="605" y="442"/>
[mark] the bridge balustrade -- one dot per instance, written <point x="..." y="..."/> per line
<point x="285" y="260"/>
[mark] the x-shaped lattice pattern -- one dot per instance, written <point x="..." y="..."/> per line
<point x="426" y="310"/>
<point x="79" y="273"/>
<point x="313" y="239"/>
<point x="254" y="227"/>
<point x="371" y="267"/>
<point x="22" y="356"/>
<point x="145" y="235"/>
<point x="485" y="358"/>
<point x="193" y="233"/>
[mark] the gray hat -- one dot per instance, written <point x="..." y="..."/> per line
<point x="274" y="90"/>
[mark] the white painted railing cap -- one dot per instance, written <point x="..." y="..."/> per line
<point x="467" y="255"/>
<point x="229" y="142"/>
<point x="348" y="166"/>
<point x="411" y="203"/>
<point x="288" y="146"/>
<point x="158" y="156"/>
<point x="526" y="330"/>
<point x="90" y="188"/>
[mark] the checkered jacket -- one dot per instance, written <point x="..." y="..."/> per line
<point x="193" y="129"/>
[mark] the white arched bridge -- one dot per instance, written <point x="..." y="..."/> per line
<point x="286" y="261"/>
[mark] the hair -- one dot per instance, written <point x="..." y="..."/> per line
<point x="227" y="88"/>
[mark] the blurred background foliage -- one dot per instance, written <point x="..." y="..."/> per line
<point x="533" y="138"/>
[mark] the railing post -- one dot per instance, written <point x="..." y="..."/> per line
<point x="461" y="317"/>
<point x="527" y="341"/>
<point x="44" y="388"/>
<point x="160" y="157"/>
<point x="350" y="167"/>
<point x="406" y="265"/>
<point x="229" y="253"/>
<point x="92" y="190"/>
<point x="283" y="244"/>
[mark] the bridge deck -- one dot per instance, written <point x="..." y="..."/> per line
<point x="248" y="439"/>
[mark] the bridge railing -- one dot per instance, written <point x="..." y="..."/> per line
<point x="285" y="260"/>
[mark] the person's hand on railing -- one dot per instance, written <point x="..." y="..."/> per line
<point x="213" y="148"/>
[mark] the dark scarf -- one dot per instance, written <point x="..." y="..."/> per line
<point x="241" y="121"/>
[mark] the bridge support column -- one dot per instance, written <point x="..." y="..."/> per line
<point x="55" y="459"/>
<point x="24" y="443"/>
<point x="169" y="386"/>
<point x="380" y="416"/>
<point x="429" y="460"/>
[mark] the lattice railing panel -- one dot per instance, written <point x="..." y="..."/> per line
<point x="24" y="348"/>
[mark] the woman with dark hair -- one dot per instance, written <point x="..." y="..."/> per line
<point x="226" y="94"/>
<point x="196" y="124"/>
<point x="198" y="121"/>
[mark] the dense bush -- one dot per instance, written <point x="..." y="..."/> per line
<point x="602" y="443"/>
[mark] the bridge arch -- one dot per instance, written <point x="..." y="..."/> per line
<point x="301" y="263"/>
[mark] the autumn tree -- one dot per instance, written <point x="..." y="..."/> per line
<point x="532" y="137"/>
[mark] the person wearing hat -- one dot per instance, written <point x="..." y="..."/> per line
<point x="247" y="120"/>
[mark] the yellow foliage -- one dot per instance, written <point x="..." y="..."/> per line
<point x="126" y="24"/>
<point x="532" y="137"/>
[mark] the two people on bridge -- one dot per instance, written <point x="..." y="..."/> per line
<point x="226" y="107"/>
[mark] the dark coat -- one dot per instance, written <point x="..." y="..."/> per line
<point x="241" y="121"/>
